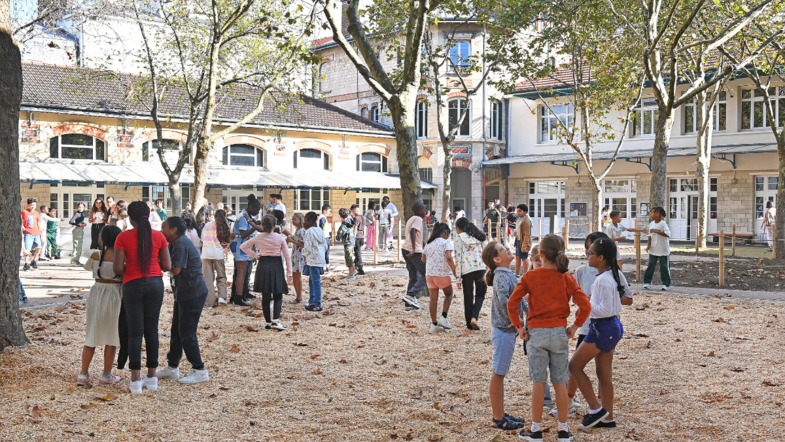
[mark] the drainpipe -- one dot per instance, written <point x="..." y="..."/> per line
<point x="484" y="126"/>
<point x="507" y="150"/>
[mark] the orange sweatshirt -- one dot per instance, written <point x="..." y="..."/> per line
<point x="549" y="299"/>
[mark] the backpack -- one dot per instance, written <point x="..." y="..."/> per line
<point x="345" y="235"/>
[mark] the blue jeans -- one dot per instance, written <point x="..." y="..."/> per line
<point x="22" y="294"/>
<point x="314" y="284"/>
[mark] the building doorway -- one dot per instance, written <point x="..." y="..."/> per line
<point x="462" y="192"/>
<point x="683" y="208"/>
<point x="546" y="200"/>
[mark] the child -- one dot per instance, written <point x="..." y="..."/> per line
<point x="44" y="218"/>
<point x="216" y="236"/>
<point x="359" y="238"/>
<point x="604" y="334"/>
<point x="325" y="226"/>
<point x="503" y="334"/>
<point x="298" y="259"/>
<point x="103" y="309"/>
<point x="412" y="255"/>
<point x="190" y="294"/>
<point x="51" y="233"/>
<point x="346" y="235"/>
<point x="437" y="256"/>
<point x="549" y="291"/>
<point x="79" y="221"/>
<point x="122" y="219"/>
<point x="314" y="247"/>
<point x="270" y="279"/>
<point x="469" y="266"/>
<point x="535" y="257"/>
<point x="614" y="229"/>
<point x="31" y="221"/>
<point x="659" y="249"/>
<point x="384" y="226"/>
<point x="523" y="235"/>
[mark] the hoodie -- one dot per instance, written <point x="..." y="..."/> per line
<point x="315" y="247"/>
<point x="468" y="254"/>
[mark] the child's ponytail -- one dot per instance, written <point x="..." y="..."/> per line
<point x="552" y="248"/>
<point x="488" y="254"/>
<point x="607" y="249"/>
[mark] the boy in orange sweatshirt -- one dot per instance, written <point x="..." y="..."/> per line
<point x="548" y="291"/>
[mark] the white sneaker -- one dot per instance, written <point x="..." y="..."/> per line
<point x="411" y="301"/>
<point x="195" y="376"/>
<point x="444" y="322"/>
<point x="351" y="277"/>
<point x="436" y="329"/>
<point x="555" y="411"/>
<point x="665" y="288"/>
<point x="221" y="301"/>
<point x="150" y="383"/>
<point x="135" y="387"/>
<point x="276" y="325"/>
<point x="647" y="286"/>
<point x="168" y="373"/>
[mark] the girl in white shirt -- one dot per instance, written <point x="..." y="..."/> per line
<point x="605" y="332"/>
<point x="437" y="256"/>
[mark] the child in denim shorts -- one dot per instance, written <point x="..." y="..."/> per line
<point x="548" y="291"/>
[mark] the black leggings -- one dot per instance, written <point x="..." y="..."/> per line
<point x="473" y="282"/>
<point x="142" y="299"/>
<point x="266" y="297"/>
<point x="95" y="233"/>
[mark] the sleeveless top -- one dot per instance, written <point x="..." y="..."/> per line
<point x="107" y="269"/>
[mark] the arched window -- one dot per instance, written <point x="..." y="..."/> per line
<point x="171" y="150"/>
<point x="364" y="112"/>
<point x="376" y="113"/>
<point x="243" y="155"/>
<point x="421" y="119"/>
<point x="77" y="147"/>
<point x="454" y="109"/>
<point x="371" y="162"/>
<point x="311" y="159"/>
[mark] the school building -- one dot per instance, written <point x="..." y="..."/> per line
<point x="84" y="136"/>
<point x="552" y="180"/>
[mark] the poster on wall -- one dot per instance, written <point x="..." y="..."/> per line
<point x="280" y="149"/>
<point x="578" y="209"/>
<point x="644" y="209"/>
<point x="31" y="134"/>
<point x="125" y="138"/>
<point x="462" y="151"/>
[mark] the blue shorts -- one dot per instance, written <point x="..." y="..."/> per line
<point x="503" y="349"/>
<point x="32" y="240"/>
<point x="605" y="333"/>
<point x="518" y="251"/>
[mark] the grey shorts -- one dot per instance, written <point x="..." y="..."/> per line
<point x="503" y="349"/>
<point x="548" y="348"/>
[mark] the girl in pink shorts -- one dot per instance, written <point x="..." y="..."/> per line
<point x="437" y="256"/>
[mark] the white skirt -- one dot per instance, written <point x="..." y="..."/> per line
<point x="103" y="313"/>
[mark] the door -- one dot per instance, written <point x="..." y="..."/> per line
<point x="765" y="191"/>
<point x="546" y="200"/>
<point x="65" y="199"/>
<point x="683" y="208"/>
<point x="621" y="196"/>
<point x="237" y="199"/>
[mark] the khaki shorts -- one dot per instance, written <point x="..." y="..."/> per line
<point x="548" y="349"/>
<point x="348" y="256"/>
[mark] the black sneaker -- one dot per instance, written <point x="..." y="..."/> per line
<point x="565" y="436"/>
<point x="26" y="267"/>
<point x="241" y="303"/>
<point x="532" y="436"/>
<point x="591" y="420"/>
<point x="34" y="265"/>
<point x="361" y="272"/>
<point x="604" y="424"/>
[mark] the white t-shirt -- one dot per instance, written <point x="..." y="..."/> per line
<point x="383" y="215"/>
<point x="660" y="245"/>
<point x="605" y="299"/>
<point x="615" y="231"/>
<point x="435" y="260"/>
<point x="280" y="207"/>
<point x="460" y="214"/>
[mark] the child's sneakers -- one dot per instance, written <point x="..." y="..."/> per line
<point x="110" y="380"/>
<point x="313" y="308"/>
<point x="350" y="277"/>
<point x="277" y="325"/>
<point x="411" y="302"/>
<point x="532" y="436"/>
<point x="666" y="288"/>
<point x="436" y="329"/>
<point x="444" y="323"/>
<point x="572" y="408"/>
<point x="593" y="419"/>
<point x="647" y="286"/>
<point x="150" y="383"/>
<point x="135" y="387"/>
<point x="565" y="436"/>
<point x="83" y="380"/>
<point x="168" y="373"/>
<point x="195" y="376"/>
<point x="605" y="424"/>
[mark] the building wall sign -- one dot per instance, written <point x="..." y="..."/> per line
<point x="125" y="138"/>
<point x="280" y="149"/>
<point x="31" y="133"/>
<point x="462" y="151"/>
<point x="343" y="154"/>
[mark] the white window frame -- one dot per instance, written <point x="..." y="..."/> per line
<point x="302" y="204"/>
<point x="227" y="155"/>
<point x="460" y="51"/>
<point x="497" y="120"/>
<point x="646" y="109"/>
<point x="421" y="120"/>
<point x="426" y="174"/>
<point x="153" y="152"/>
<point x="325" y="157"/>
<point x="751" y="97"/>
<point x="458" y="109"/>
<point x="61" y="145"/>
<point x="549" y="122"/>
<point x="381" y="160"/>
<point x="185" y="193"/>
<point x="691" y="115"/>
<point x="376" y="114"/>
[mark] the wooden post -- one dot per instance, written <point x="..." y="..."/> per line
<point x="333" y="238"/>
<point x="539" y="230"/>
<point x="722" y="258"/>
<point x="400" y="222"/>
<point x="499" y="231"/>
<point x="567" y="234"/>
<point x="733" y="244"/>
<point x="376" y="243"/>
<point x="637" y="255"/>
<point x="564" y="236"/>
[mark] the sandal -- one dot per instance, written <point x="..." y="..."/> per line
<point x="507" y="424"/>
<point x="295" y="301"/>
<point x="513" y="418"/>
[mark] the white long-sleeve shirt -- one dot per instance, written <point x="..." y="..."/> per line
<point x="605" y="299"/>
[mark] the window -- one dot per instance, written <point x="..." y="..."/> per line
<point x="152" y="193"/>
<point x="548" y="187"/>
<point x="311" y="159"/>
<point x="496" y="120"/>
<point x="170" y="147"/>
<point x="691" y="116"/>
<point x="753" y="113"/>
<point x="459" y="54"/>
<point x="364" y="112"/>
<point x="376" y="113"/>
<point x="689" y="185"/>
<point x="550" y="125"/>
<point x="311" y="199"/>
<point x="713" y="184"/>
<point x="77" y="147"/>
<point x="455" y="107"/>
<point x="645" y="118"/>
<point x="620" y="186"/>
<point x="421" y="119"/>
<point x="426" y="174"/>
<point x="371" y="162"/>
<point x="674" y="207"/>
<point x="243" y="155"/>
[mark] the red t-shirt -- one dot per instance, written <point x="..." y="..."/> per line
<point x="127" y="241"/>
<point x="30" y="220"/>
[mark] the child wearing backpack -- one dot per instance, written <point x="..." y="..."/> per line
<point x="346" y="236"/>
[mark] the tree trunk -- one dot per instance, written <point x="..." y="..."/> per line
<point x="200" y="171"/>
<point x="175" y="195"/>
<point x="596" y="223"/>
<point x="11" y="329"/>
<point x="659" y="160"/>
<point x="402" y="111"/>
<point x="779" y="226"/>
<point x="447" y="183"/>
